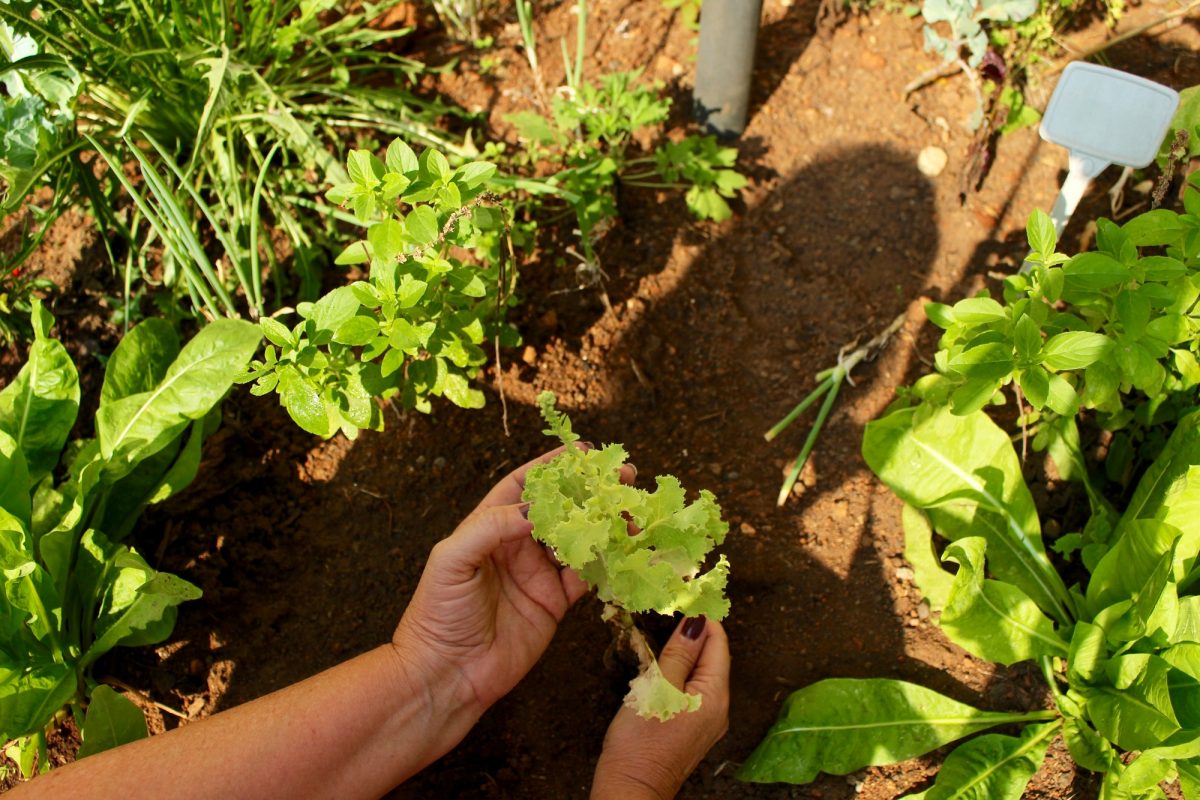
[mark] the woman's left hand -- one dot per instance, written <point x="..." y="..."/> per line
<point x="490" y="597"/>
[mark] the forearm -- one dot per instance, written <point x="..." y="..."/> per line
<point x="355" y="730"/>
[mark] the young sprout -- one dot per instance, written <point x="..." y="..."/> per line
<point x="829" y="383"/>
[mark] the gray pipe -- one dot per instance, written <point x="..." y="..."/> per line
<point x="725" y="63"/>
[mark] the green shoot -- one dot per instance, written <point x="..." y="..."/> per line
<point x="829" y="384"/>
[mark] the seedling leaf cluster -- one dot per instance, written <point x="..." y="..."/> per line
<point x="417" y="326"/>
<point x="581" y="510"/>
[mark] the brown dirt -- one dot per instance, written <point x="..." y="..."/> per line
<point x="307" y="552"/>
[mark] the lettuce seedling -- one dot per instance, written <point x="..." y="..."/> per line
<point x="581" y="510"/>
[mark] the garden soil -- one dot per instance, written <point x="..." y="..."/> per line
<point x="698" y="338"/>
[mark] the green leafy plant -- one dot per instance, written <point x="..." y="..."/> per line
<point x="72" y="589"/>
<point x="581" y="510"/>
<point x="579" y="147"/>
<point x="416" y="327"/>
<point x="1107" y="338"/>
<point x="227" y="107"/>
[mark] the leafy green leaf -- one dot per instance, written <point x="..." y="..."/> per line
<point x="992" y="766"/>
<point x="1091" y="272"/>
<point x="992" y="619"/>
<point x="140" y="360"/>
<point x="580" y="508"/>
<point x="31" y="693"/>
<point x="475" y="173"/>
<point x="401" y="158"/>
<point x="1158" y="227"/>
<point x="1074" y="349"/>
<point x="38" y="408"/>
<point x="1039" y="230"/>
<point x="933" y="581"/>
<point x="303" y="402"/>
<point x="15" y="485"/>
<point x="386" y="239"/>
<point x="655" y="697"/>
<point x="422" y="226"/>
<point x="841" y="725"/>
<point x="137" y="605"/>
<point x="112" y="720"/>
<point x="979" y="311"/>
<point x="1134" y="710"/>
<point x="357" y="331"/>
<point x="964" y="472"/>
<point x="989" y="361"/>
<point x="139" y="425"/>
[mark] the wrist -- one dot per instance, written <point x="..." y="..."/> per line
<point x="638" y="779"/>
<point x="430" y="695"/>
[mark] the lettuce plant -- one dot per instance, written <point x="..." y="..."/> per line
<point x="72" y="589"/>
<point x="581" y="510"/>
<point x="1107" y="337"/>
<point x="416" y="327"/>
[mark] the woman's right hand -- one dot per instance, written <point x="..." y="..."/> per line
<point x="644" y="759"/>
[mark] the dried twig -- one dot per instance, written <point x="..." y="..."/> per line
<point x="1179" y="148"/>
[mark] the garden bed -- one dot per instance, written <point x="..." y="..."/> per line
<point x="700" y="339"/>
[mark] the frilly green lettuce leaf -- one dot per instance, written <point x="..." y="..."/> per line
<point x="652" y="695"/>
<point x="580" y="509"/>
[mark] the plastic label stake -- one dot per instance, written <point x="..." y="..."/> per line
<point x="1103" y="116"/>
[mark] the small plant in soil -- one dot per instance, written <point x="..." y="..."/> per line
<point x="415" y="329"/>
<point x="581" y="510"/>
<point x="1104" y="342"/>
<point x="72" y="589"/>
<point x="580" y="147"/>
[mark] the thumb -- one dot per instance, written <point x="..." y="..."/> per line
<point x="682" y="651"/>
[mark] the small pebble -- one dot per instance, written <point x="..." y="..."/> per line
<point x="529" y="355"/>
<point x="439" y="462"/>
<point x="904" y="574"/>
<point x="932" y="161"/>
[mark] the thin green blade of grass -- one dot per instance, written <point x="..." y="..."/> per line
<point x="809" y="443"/>
<point x="163" y="230"/>
<point x="255" y="273"/>
<point x="236" y="256"/>
<point x="183" y="233"/>
<point x="800" y="408"/>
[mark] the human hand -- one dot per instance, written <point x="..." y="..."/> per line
<point x="490" y="597"/>
<point x="644" y="759"/>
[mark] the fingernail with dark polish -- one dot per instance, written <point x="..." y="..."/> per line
<point x="587" y="445"/>
<point x="525" y="510"/>
<point x="693" y="627"/>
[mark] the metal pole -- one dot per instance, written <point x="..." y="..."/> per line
<point x="725" y="63"/>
